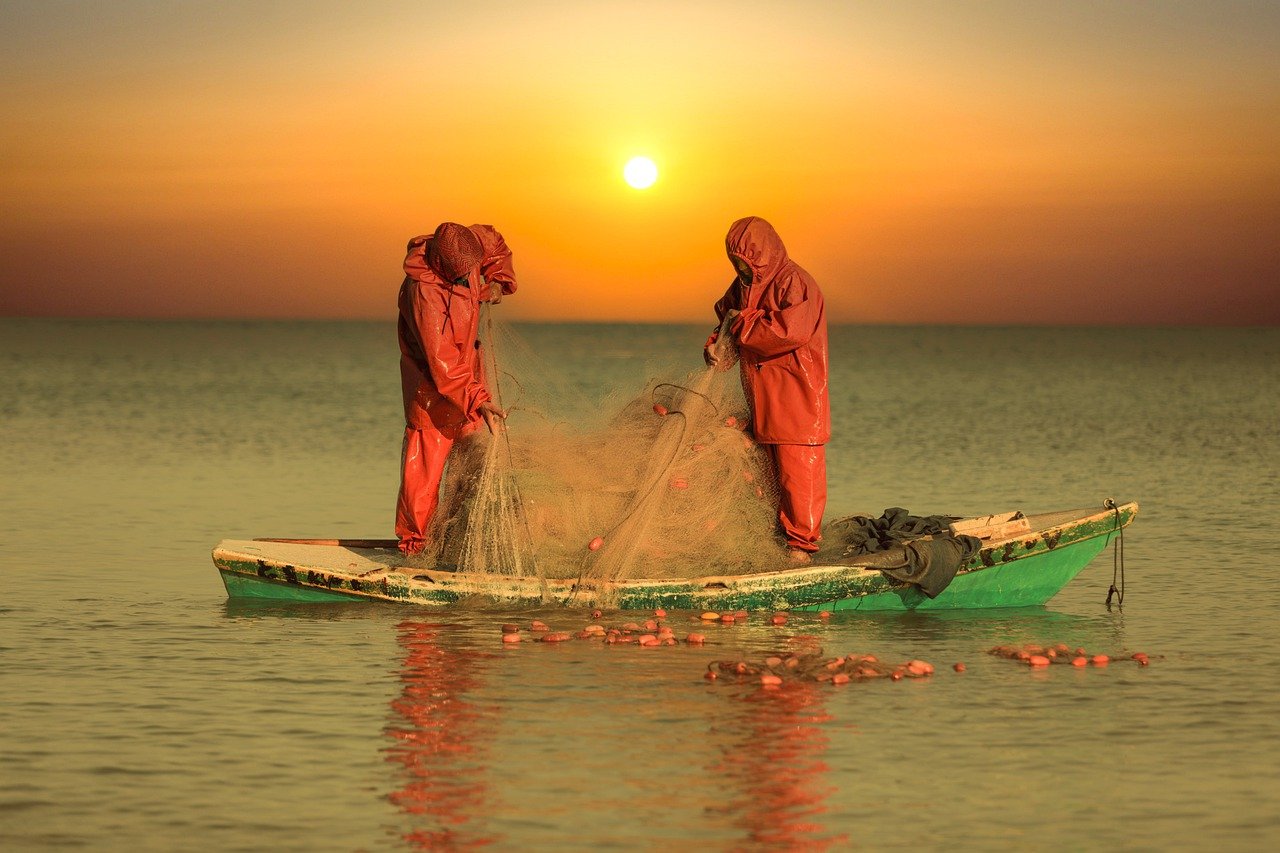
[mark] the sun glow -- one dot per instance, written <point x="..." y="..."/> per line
<point x="640" y="172"/>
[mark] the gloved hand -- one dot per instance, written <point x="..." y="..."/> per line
<point x="495" y="293"/>
<point x="493" y="417"/>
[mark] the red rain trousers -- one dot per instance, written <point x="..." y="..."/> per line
<point x="441" y="375"/>
<point x="781" y="333"/>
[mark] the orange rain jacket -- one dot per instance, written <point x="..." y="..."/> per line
<point x="782" y="338"/>
<point x="441" y="374"/>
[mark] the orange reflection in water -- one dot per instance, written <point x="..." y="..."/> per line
<point x="773" y="761"/>
<point x="440" y="742"/>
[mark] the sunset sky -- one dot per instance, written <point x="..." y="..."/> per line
<point x="994" y="162"/>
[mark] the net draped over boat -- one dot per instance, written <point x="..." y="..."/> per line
<point x="666" y="483"/>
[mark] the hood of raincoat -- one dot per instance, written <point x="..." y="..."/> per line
<point x="454" y="251"/>
<point x="754" y="241"/>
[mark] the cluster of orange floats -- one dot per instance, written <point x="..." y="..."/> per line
<point x="1039" y="656"/>
<point x="806" y="665"/>
<point x="815" y="666"/>
<point x="652" y="632"/>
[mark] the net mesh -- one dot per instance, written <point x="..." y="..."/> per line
<point x="664" y="483"/>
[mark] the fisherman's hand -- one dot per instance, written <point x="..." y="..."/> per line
<point x="493" y="417"/>
<point x="721" y="357"/>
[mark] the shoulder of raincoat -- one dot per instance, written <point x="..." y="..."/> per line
<point x="497" y="267"/>
<point x="441" y="378"/>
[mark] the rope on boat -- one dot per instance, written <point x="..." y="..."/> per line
<point x="1117" y="559"/>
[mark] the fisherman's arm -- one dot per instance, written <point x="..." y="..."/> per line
<point x="497" y="267"/>
<point x="771" y="333"/>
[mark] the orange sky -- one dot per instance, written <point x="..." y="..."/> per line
<point x="1003" y="162"/>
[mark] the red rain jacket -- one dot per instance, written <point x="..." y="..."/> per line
<point x="782" y="338"/>
<point x="441" y="374"/>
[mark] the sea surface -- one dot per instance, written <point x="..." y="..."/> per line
<point x="142" y="710"/>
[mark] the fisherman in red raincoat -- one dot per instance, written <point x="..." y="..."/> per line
<point x="447" y="275"/>
<point x="778" y="321"/>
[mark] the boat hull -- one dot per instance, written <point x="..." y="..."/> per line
<point x="1023" y="571"/>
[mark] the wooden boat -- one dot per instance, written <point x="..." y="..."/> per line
<point x="1024" y="561"/>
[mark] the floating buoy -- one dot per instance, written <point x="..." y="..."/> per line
<point x="1038" y="660"/>
<point x="727" y="619"/>
<point x="740" y="615"/>
<point x="770" y="680"/>
<point x="510" y="629"/>
<point x="696" y="639"/>
<point x="731" y="421"/>
<point x="647" y="640"/>
<point x="650" y="625"/>
<point x="919" y="667"/>
<point x="824" y="614"/>
<point x="510" y="638"/>
<point x="1100" y="660"/>
<point x="555" y="637"/>
<point x="596" y="614"/>
<point x="594" y="544"/>
<point x="539" y="625"/>
<point x="710" y="617"/>
<point x="660" y="409"/>
<point x="840" y="678"/>
<point x="659" y="613"/>
<point x="1141" y="658"/>
<point x="778" y="619"/>
<point x="594" y="630"/>
<point x="710" y="676"/>
<point x="958" y="667"/>
<point x="1080" y="661"/>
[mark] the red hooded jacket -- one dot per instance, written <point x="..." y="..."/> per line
<point x="441" y="376"/>
<point x="782" y="338"/>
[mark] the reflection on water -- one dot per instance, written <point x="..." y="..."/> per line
<point x="120" y="652"/>
<point x="773" y="748"/>
<point x="440" y="741"/>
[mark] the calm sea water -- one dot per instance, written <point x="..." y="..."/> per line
<point x="140" y="709"/>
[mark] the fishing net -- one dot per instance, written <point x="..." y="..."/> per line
<point x="662" y="483"/>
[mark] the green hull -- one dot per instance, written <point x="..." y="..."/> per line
<point x="1026" y="570"/>
<point x="251" y="586"/>
<point x="1027" y="582"/>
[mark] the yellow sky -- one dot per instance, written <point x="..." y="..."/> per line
<point x="998" y="162"/>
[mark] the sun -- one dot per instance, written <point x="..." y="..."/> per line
<point x="640" y="172"/>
